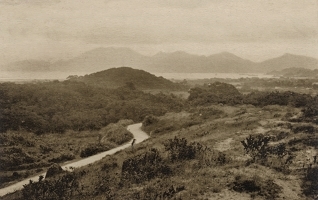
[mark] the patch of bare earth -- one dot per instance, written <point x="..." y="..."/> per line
<point x="224" y="145"/>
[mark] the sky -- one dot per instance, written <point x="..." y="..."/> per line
<point x="252" y="29"/>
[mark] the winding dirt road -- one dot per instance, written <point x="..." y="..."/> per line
<point x="135" y="129"/>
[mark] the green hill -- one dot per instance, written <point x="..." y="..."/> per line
<point x="126" y="76"/>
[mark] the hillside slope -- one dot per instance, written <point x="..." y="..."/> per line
<point x="289" y="61"/>
<point x="129" y="77"/>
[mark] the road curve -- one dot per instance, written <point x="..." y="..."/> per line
<point x="135" y="129"/>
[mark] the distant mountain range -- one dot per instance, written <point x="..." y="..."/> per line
<point x="105" y="58"/>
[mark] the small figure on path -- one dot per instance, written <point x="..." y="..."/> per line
<point x="132" y="144"/>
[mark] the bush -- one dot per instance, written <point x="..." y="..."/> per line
<point x="149" y="120"/>
<point x="179" y="149"/>
<point x="14" y="157"/>
<point x="304" y="128"/>
<point x="256" y="186"/>
<point x="310" y="182"/>
<point x="7" y="178"/>
<point x="159" y="190"/>
<point x="62" y="157"/>
<point x="144" y="167"/>
<point x="256" y="146"/>
<point x="92" y="150"/>
<point x="61" y="188"/>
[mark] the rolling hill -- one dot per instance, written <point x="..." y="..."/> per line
<point x="127" y="77"/>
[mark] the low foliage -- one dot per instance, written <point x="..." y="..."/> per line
<point x="179" y="149"/>
<point x="304" y="128"/>
<point x="256" y="186"/>
<point x="144" y="167"/>
<point x="256" y="146"/>
<point x="275" y="156"/>
<point x="150" y="119"/>
<point x="116" y="133"/>
<point x="163" y="189"/>
<point x="310" y="182"/>
<point x="62" y="158"/>
<point x="92" y="150"/>
<point x="62" y="187"/>
<point x="17" y="157"/>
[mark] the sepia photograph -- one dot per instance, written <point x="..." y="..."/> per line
<point x="158" y="100"/>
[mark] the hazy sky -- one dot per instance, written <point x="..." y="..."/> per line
<point x="252" y="29"/>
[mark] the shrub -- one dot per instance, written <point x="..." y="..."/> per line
<point x="144" y="167"/>
<point x="256" y="146"/>
<point x="256" y="186"/>
<point x="149" y="120"/>
<point x="14" y="157"/>
<point x="159" y="190"/>
<point x="62" y="157"/>
<point x="208" y="157"/>
<point x="7" y="178"/>
<point x="179" y="149"/>
<point x="62" y="187"/>
<point x="92" y="150"/>
<point x="304" y="128"/>
<point x="310" y="182"/>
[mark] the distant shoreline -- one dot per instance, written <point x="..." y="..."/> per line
<point x="171" y="76"/>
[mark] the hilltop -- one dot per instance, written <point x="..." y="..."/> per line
<point x="128" y="77"/>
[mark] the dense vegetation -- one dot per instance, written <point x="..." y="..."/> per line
<point x="58" y="106"/>
<point x="64" y="114"/>
<point x="223" y="93"/>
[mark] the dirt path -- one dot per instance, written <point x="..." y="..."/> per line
<point x="135" y="129"/>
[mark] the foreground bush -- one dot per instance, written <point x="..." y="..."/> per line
<point x="62" y="187"/>
<point x="310" y="182"/>
<point x="162" y="189"/>
<point x="144" y="167"/>
<point x="256" y="186"/>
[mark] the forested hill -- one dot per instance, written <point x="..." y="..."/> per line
<point x="126" y="76"/>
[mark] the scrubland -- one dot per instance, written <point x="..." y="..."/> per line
<point x="222" y="144"/>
